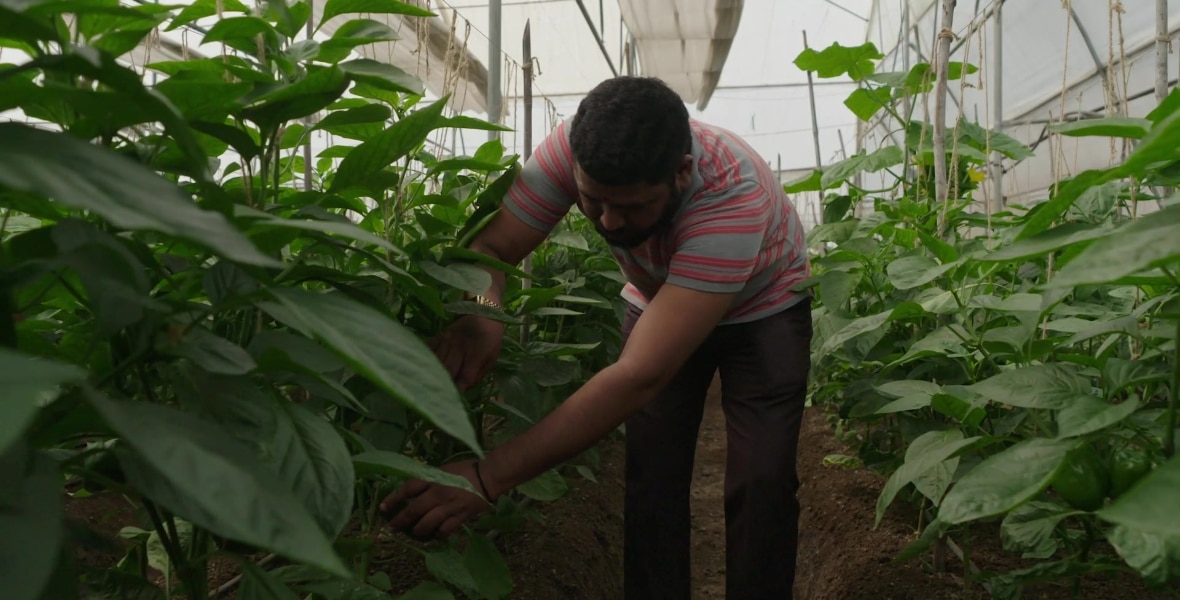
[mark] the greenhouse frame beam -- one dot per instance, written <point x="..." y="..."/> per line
<point x="597" y="36"/>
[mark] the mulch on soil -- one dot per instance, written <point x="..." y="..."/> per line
<point x="574" y="549"/>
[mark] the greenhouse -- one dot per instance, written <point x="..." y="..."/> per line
<point x="294" y="303"/>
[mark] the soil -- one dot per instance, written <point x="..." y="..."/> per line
<point x="573" y="548"/>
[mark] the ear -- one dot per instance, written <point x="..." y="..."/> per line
<point x="684" y="172"/>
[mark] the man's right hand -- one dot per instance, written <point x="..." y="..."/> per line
<point x="468" y="348"/>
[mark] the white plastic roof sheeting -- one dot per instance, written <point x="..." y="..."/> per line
<point x="683" y="42"/>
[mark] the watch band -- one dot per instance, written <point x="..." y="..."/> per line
<point x="485" y="301"/>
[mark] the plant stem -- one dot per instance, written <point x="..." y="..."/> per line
<point x="942" y="58"/>
<point x="1170" y="421"/>
<point x="176" y="558"/>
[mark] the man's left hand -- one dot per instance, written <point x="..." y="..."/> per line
<point x="432" y="510"/>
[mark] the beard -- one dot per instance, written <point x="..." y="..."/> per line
<point x="627" y="238"/>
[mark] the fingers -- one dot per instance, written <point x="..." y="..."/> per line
<point x="430" y="522"/>
<point x="407" y="490"/>
<point x="451" y="525"/>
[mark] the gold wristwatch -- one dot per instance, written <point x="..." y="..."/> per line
<point x="484" y="301"/>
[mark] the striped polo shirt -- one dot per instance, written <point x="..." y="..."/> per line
<point x="736" y="231"/>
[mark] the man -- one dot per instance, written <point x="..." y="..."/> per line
<point x="711" y="247"/>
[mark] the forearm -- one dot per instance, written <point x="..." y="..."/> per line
<point x="496" y="290"/>
<point x="590" y="414"/>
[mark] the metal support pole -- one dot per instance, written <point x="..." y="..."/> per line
<point x="594" y="32"/>
<point x="495" y="58"/>
<point x="527" y="109"/>
<point x="1162" y="42"/>
<point x="819" y="162"/>
<point x="309" y="120"/>
<point x="997" y="196"/>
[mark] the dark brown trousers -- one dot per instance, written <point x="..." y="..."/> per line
<point x="764" y="366"/>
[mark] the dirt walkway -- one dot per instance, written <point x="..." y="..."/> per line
<point x="708" y="503"/>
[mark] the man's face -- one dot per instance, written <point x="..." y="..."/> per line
<point x="627" y="215"/>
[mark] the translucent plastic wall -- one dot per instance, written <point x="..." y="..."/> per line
<point x="1058" y="60"/>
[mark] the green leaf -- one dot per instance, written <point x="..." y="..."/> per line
<point x="1139" y="245"/>
<point x="392" y="464"/>
<point x="336" y="8"/>
<point x="213" y="353"/>
<point x="205" y="8"/>
<point x="1066" y="235"/>
<point x="1086" y="414"/>
<point x="909" y="272"/>
<point x="1155" y="557"/>
<point x="1167" y="108"/>
<point x="864" y="103"/>
<point x="487" y="567"/>
<point x="465" y="122"/>
<point x="1124" y="127"/>
<point x="382" y="350"/>
<point x="463" y="276"/>
<point x="1051" y="386"/>
<point x="864" y="325"/>
<point x="427" y="590"/>
<point x="925" y="453"/>
<point x="123" y="192"/>
<point x="1150" y="504"/>
<point x="27" y="382"/>
<point x="1029" y="528"/>
<point x="383" y="76"/>
<point x="836" y="60"/>
<point x="260" y="220"/>
<point x="1004" y="480"/>
<point x="276" y="104"/>
<point x="546" y="487"/>
<point x="258" y="584"/>
<point x="200" y="473"/>
<point x="31" y="518"/>
<point x="301" y="448"/>
<point x="342" y="122"/>
<point x="388" y="146"/>
<point x="836" y="287"/>
<point x="240" y="33"/>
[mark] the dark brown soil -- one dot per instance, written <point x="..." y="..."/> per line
<point x="573" y="549"/>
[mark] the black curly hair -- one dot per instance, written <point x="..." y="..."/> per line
<point x="630" y="130"/>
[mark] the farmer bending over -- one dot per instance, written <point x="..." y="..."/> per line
<point x="710" y="247"/>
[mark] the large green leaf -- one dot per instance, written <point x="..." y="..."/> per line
<point x="199" y="472"/>
<point x="27" y="381"/>
<point x="836" y="60"/>
<point x="1029" y="528"/>
<point x="1155" y="556"/>
<point x="31" y="519"/>
<point x="299" y="446"/>
<point x="1062" y="236"/>
<point x="909" y="272"/>
<point x="1139" y="245"/>
<point x="383" y="76"/>
<point x="276" y="104"/>
<point x="392" y="464"/>
<point x="925" y="453"/>
<point x="1004" y="480"/>
<point x="1038" y="386"/>
<point x="488" y="568"/>
<point x="1087" y="414"/>
<point x="123" y="192"/>
<point x="388" y="146"/>
<point x="382" y="350"/>
<point x="1125" y="127"/>
<point x="1150" y="504"/>
<point x="336" y="8"/>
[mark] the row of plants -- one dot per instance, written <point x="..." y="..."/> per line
<point x="1015" y="369"/>
<point x="193" y="318"/>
